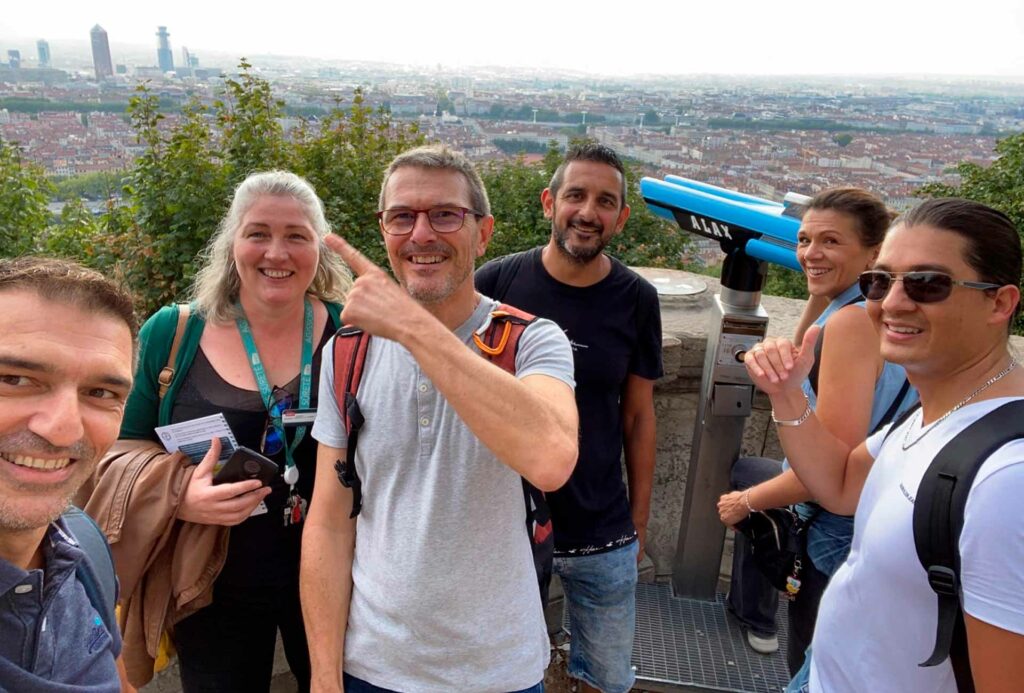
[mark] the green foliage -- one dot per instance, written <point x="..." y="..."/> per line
<point x="249" y="120"/>
<point x="75" y="236"/>
<point x="24" y="194"/>
<point x="512" y="146"/>
<point x="1000" y="185"/>
<point x="843" y="139"/>
<point x="515" y="191"/>
<point x="782" y="281"/>
<point x="174" y="197"/>
<point x="100" y="185"/>
<point x="344" y="156"/>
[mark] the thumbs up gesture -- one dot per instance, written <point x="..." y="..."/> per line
<point x="776" y="365"/>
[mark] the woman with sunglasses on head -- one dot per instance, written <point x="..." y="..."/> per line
<point x="264" y="302"/>
<point x="854" y="392"/>
<point x="942" y="296"/>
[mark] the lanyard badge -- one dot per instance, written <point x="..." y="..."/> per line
<point x="275" y="403"/>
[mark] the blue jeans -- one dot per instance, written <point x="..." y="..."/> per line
<point x="354" y="685"/>
<point x="600" y="594"/>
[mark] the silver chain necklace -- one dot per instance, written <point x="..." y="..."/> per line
<point x="988" y="383"/>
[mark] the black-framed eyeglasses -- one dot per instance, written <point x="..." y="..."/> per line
<point x="273" y="433"/>
<point x="445" y="219"/>
<point x="920" y="287"/>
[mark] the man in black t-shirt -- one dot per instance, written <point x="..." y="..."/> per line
<point x="611" y="316"/>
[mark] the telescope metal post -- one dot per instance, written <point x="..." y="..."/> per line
<point x="737" y="323"/>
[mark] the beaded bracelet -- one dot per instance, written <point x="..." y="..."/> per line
<point x="746" y="501"/>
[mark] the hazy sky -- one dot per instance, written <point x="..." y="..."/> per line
<point x="962" y="37"/>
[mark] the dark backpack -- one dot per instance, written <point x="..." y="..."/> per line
<point x="939" y="519"/>
<point x="96" y="570"/>
<point x="498" y="344"/>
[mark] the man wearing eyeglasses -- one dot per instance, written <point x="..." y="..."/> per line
<point x="432" y="586"/>
<point x="611" y="315"/>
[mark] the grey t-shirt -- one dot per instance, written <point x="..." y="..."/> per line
<point x="444" y="590"/>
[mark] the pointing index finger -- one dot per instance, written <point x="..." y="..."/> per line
<point x="359" y="263"/>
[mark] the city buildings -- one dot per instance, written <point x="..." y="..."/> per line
<point x="164" y="56"/>
<point x="43" y="48"/>
<point x="101" y="54"/>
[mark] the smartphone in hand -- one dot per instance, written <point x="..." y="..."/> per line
<point x="245" y="464"/>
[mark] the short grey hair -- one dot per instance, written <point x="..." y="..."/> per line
<point x="440" y="158"/>
<point x="216" y="286"/>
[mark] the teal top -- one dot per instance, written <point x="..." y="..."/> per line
<point x="144" y="410"/>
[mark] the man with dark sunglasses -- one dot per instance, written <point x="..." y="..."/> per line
<point x="920" y="286"/>
<point x="942" y="295"/>
<point x="432" y="585"/>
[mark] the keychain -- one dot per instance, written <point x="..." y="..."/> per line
<point x="793" y="581"/>
<point x="294" y="509"/>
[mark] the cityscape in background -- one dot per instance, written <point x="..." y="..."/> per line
<point x="64" y="104"/>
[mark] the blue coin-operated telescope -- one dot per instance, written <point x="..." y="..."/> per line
<point x="752" y="232"/>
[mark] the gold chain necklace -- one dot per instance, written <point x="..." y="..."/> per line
<point x="988" y="383"/>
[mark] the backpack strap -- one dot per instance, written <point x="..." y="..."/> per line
<point x="166" y="376"/>
<point x="939" y="519"/>
<point x="499" y="344"/>
<point x="890" y="413"/>
<point x="96" y="570"/>
<point x="508" y="269"/>
<point x="499" y="341"/>
<point x="350" y="345"/>
<point x="900" y="420"/>
<point x="819" y="345"/>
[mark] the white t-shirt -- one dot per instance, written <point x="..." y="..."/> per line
<point x="877" y="618"/>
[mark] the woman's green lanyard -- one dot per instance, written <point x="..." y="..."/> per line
<point x="291" y="472"/>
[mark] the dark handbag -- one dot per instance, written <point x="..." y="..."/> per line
<point x="778" y="542"/>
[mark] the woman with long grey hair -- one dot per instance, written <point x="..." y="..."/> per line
<point x="263" y="304"/>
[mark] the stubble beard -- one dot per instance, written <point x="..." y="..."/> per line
<point x="580" y="256"/>
<point x="35" y="513"/>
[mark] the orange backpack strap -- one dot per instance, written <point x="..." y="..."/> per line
<point x="500" y="339"/>
<point x="499" y="343"/>
<point x="350" y="345"/>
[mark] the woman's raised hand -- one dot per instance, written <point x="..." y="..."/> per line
<point x="777" y="365"/>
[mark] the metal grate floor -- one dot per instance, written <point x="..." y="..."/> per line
<point x="691" y="645"/>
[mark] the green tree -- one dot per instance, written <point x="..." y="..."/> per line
<point x="344" y="156"/>
<point x="175" y="195"/>
<point x="76" y="235"/>
<point x="842" y="139"/>
<point x="100" y="185"/>
<point x="252" y="138"/>
<point x="515" y="191"/>
<point x="24" y="194"/>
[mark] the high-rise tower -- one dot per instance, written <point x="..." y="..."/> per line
<point x="101" y="53"/>
<point x="164" y="57"/>
<point x="44" y="53"/>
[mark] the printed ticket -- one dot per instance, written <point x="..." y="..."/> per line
<point x="193" y="437"/>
